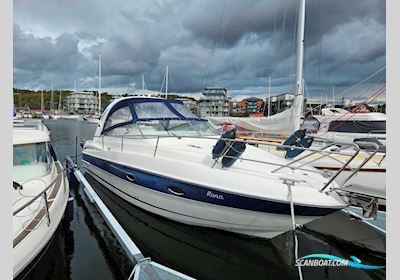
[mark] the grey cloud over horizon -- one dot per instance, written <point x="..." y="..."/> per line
<point x="57" y="42"/>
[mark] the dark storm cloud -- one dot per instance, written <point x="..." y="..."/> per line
<point x="57" y="42"/>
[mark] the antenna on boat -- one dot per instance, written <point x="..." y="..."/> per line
<point x="333" y="96"/>
<point x="166" y="83"/>
<point x="99" y="83"/>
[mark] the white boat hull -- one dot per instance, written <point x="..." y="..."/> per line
<point x="25" y="251"/>
<point x="252" y="223"/>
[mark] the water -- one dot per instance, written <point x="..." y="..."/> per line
<point x="85" y="248"/>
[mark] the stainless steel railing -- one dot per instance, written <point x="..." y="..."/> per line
<point x="301" y="160"/>
<point x="42" y="194"/>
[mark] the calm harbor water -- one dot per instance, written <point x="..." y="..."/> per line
<point x="84" y="248"/>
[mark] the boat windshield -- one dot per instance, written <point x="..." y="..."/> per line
<point x="165" y="128"/>
<point x="156" y="118"/>
<point x="30" y="161"/>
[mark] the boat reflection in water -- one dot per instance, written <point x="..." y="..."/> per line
<point x="207" y="253"/>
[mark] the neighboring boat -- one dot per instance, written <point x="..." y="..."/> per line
<point x="344" y="126"/>
<point x="70" y="117"/>
<point x="16" y="116"/>
<point x="27" y="116"/>
<point x="157" y="155"/>
<point x="371" y="176"/>
<point x="54" y="117"/>
<point x="40" y="192"/>
<point x="93" y="119"/>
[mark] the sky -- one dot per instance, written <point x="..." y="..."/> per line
<point x="235" y="44"/>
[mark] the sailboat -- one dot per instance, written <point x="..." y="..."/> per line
<point x="365" y="131"/>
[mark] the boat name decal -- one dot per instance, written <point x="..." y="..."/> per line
<point x="214" y="195"/>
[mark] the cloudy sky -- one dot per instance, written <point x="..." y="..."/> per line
<point x="236" y="44"/>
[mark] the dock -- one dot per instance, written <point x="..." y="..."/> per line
<point x="144" y="268"/>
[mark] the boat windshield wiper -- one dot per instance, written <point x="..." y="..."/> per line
<point x="17" y="186"/>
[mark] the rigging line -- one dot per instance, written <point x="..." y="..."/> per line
<point x="352" y="113"/>
<point x="273" y="36"/>
<point x="382" y="89"/>
<point x="320" y="46"/>
<point x="376" y="94"/>
<point x="370" y="76"/>
<point x="284" y="25"/>
<point x="364" y="91"/>
<point x="307" y="95"/>
<point x="219" y="43"/>
<point x="162" y="84"/>
<point x="214" y="45"/>
<point x="172" y="83"/>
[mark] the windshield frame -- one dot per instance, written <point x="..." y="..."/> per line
<point x="129" y="102"/>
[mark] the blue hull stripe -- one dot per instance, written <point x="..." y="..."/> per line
<point x="203" y="194"/>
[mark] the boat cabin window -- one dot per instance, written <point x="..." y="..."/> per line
<point x="30" y="161"/>
<point x="119" y="116"/>
<point x="191" y="128"/>
<point x="358" y="126"/>
<point x="151" y="128"/>
<point x="183" y="110"/>
<point x="149" y="110"/>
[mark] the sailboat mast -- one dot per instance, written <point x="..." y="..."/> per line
<point x="333" y="97"/>
<point x="269" y="95"/>
<point x="142" y="82"/>
<point x="99" y="83"/>
<point x="166" y="83"/>
<point x="51" y="100"/>
<point x="41" y="103"/>
<point x="59" y="102"/>
<point x="300" y="47"/>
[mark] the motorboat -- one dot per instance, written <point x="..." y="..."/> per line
<point x="340" y="125"/>
<point x="370" y="165"/>
<point x="40" y="193"/>
<point x="93" y="119"/>
<point x="54" y="117"/>
<point x="157" y="155"/>
<point x="70" y="117"/>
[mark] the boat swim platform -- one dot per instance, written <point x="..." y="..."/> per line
<point x="144" y="268"/>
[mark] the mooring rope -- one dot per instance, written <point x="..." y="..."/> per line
<point x="296" y="242"/>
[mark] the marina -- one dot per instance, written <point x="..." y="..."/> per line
<point x="198" y="252"/>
